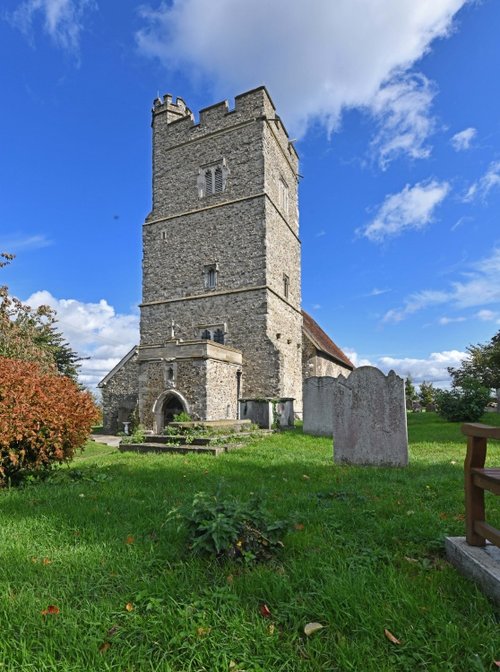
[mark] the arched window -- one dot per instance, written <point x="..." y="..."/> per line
<point x="219" y="336"/>
<point x="211" y="278"/>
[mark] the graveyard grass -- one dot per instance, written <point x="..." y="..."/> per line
<point x="364" y="554"/>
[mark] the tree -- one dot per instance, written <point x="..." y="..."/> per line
<point x="410" y="392"/>
<point x="482" y="364"/>
<point x="31" y="334"/>
<point x="426" y="393"/>
<point x="44" y="418"/>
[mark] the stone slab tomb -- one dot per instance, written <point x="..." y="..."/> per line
<point x="369" y="419"/>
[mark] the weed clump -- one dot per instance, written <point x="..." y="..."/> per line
<point x="230" y="529"/>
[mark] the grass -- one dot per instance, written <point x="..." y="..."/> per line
<point x="364" y="554"/>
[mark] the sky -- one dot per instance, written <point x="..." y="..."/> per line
<point x="395" y="114"/>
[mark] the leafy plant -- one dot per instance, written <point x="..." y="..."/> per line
<point x="463" y="404"/>
<point x="137" y="436"/>
<point x="230" y="529"/>
<point x="44" y="418"/>
<point x="182" y="417"/>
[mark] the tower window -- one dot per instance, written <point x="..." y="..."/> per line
<point x="210" y="273"/>
<point x="216" y="333"/>
<point x="283" y="195"/>
<point x="212" y="179"/>
<point x="286" y="285"/>
<point x="219" y="336"/>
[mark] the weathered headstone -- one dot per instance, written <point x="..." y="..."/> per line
<point x="369" y="419"/>
<point x="317" y="394"/>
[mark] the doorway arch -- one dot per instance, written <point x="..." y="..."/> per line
<point x="167" y="405"/>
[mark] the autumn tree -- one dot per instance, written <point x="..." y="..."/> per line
<point x="44" y="418"/>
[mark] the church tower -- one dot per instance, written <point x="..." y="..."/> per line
<point x="220" y="314"/>
<point x="221" y="323"/>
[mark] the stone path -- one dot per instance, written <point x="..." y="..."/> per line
<point x="108" y="439"/>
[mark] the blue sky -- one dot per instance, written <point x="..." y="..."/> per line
<point x="396" y="110"/>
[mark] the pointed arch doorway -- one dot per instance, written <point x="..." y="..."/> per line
<point x="167" y="405"/>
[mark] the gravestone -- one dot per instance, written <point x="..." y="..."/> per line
<point x="369" y="419"/>
<point x="317" y="394"/>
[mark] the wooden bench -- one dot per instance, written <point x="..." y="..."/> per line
<point x="477" y="480"/>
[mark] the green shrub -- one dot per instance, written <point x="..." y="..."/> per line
<point x="462" y="404"/>
<point x="229" y="529"/>
<point x="182" y="417"/>
<point x="137" y="436"/>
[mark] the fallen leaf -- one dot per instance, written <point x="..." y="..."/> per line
<point x="34" y="560"/>
<point x="130" y="539"/>
<point x="410" y="559"/>
<point x="229" y="579"/>
<point x="129" y="606"/>
<point x="46" y="561"/>
<point x="311" y="628"/>
<point x="271" y="628"/>
<point x="112" y="631"/>
<point x="265" y="611"/>
<point x="51" y="609"/>
<point x="443" y="515"/>
<point x="104" y="647"/>
<point x="299" y="526"/>
<point x="202" y="632"/>
<point x="391" y="637"/>
<point x="497" y="663"/>
<point x="306" y="477"/>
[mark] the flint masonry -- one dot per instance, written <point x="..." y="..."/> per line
<point x="221" y="315"/>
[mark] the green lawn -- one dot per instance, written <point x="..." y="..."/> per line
<point x="364" y="554"/>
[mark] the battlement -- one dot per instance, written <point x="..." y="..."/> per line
<point x="175" y="111"/>
<point x="252" y="105"/>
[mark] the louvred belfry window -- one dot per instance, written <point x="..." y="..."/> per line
<point x="212" y="179"/>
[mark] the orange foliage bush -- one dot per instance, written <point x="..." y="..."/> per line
<point x="44" y="418"/>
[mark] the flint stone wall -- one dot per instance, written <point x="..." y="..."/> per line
<point x="120" y="396"/>
<point x="369" y="419"/>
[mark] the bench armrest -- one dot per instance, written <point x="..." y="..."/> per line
<point x="480" y="430"/>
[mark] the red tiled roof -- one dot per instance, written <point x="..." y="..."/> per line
<point x="322" y="341"/>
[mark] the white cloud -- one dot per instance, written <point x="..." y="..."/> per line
<point x="357" y="359"/>
<point x="403" y="110"/>
<point x="480" y="287"/>
<point x="433" y="369"/>
<point x="93" y="330"/>
<point x="444" y="321"/>
<point x="378" y="292"/>
<point x="62" y="20"/>
<point x="486" y="315"/>
<point x="485" y="184"/>
<point x="463" y="139"/>
<point x="318" y="59"/>
<point x="16" y="243"/>
<point x="411" y="208"/>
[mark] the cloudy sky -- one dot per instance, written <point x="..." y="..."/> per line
<point x="396" y="116"/>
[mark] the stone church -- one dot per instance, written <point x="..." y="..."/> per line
<point x="221" y="317"/>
